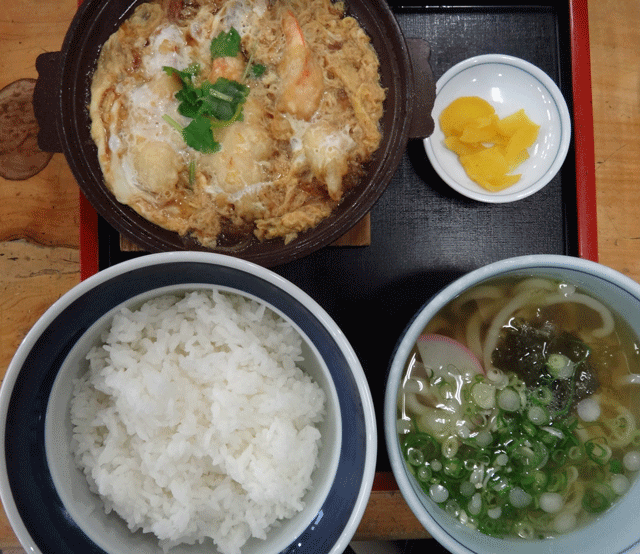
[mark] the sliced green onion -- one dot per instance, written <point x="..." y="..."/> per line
<point x="558" y="456"/>
<point x="438" y="493"/>
<point x="452" y="508"/>
<point x="530" y="454"/>
<point x="551" y="502"/>
<point x="424" y="473"/>
<point x="597" y="451"/>
<point x="538" y="415"/>
<point x="620" y="484"/>
<point x="467" y="489"/>
<point x="542" y="396"/>
<point x="529" y="428"/>
<point x="484" y="395"/>
<point x="502" y="459"/>
<point x="519" y="498"/>
<point x="553" y="433"/>
<point x="596" y="499"/>
<point x="477" y="475"/>
<point x="575" y="453"/>
<point x="483" y="438"/>
<point x="631" y="460"/>
<point x="415" y="456"/>
<point x="524" y="530"/>
<point x="475" y="504"/>
<point x="534" y="481"/>
<point x="558" y="482"/>
<point x="588" y="409"/>
<point x="500" y="484"/>
<point x="450" y="447"/>
<point x="423" y="442"/>
<point x="560" y="366"/>
<point x="509" y="400"/>
<point x="454" y="468"/>
<point x="483" y="458"/>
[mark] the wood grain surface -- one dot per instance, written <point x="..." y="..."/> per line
<point x="39" y="217"/>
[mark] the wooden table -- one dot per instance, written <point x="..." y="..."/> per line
<point x="39" y="217"/>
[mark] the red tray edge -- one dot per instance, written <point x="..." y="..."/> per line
<point x="88" y="239"/>
<point x="583" y="130"/>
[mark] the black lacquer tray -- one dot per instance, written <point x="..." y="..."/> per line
<point x="423" y="234"/>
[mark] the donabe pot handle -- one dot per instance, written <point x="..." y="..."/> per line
<point x="46" y="100"/>
<point x="424" y="87"/>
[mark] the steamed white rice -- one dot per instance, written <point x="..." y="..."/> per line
<point x="195" y="421"/>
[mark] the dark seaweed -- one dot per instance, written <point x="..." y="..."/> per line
<point x="525" y="348"/>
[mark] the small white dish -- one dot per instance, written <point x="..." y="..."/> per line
<point x="508" y="84"/>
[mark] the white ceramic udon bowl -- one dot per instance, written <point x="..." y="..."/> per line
<point x="508" y="84"/>
<point x="47" y="498"/>
<point x="616" y="531"/>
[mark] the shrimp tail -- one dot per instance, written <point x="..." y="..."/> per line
<point x="303" y="80"/>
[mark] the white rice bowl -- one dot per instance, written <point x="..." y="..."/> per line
<point x="47" y="497"/>
<point x="194" y="419"/>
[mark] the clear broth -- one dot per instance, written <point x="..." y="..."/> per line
<point x="525" y="476"/>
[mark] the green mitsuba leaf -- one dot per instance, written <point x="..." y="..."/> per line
<point x="225" y="44"/>
<point x="258" y="69"/>
<point x="199" y="136"/>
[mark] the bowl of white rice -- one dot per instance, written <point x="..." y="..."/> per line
<point x="186" y="402"/>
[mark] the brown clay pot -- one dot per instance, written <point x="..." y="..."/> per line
<point x="63" y="93"/>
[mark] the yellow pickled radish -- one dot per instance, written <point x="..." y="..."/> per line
<point x="489" y="148"/>
<point x="482" y="129"/>
<point x="489" y="168"/>
<point x="503" y="182"/>
<point x="524" y="136"/>
<point x="462" y="148"/>
<point x="461" y="111"/>
<point x="522" y="156"/>
<point x="510" y="124"/>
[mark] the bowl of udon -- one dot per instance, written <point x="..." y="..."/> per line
<point x="511" y="410"/>
<point x="264" y="130"/>
<point x="183" y="403"/>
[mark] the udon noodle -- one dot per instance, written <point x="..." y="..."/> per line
<point x="515" y="414"/>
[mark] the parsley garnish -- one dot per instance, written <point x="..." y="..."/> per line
<point x="222" y="99"/>
<point x="210" y="105"/>
<point x="225" y="44"/>
<point x="197" y="134"/>
<point x="219" y="100"/>
<point x="258" y="69"/>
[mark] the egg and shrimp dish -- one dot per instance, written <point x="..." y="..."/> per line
<point x="228" y="120"/>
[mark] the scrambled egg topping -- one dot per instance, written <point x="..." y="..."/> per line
<point x="309" y="121"/>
